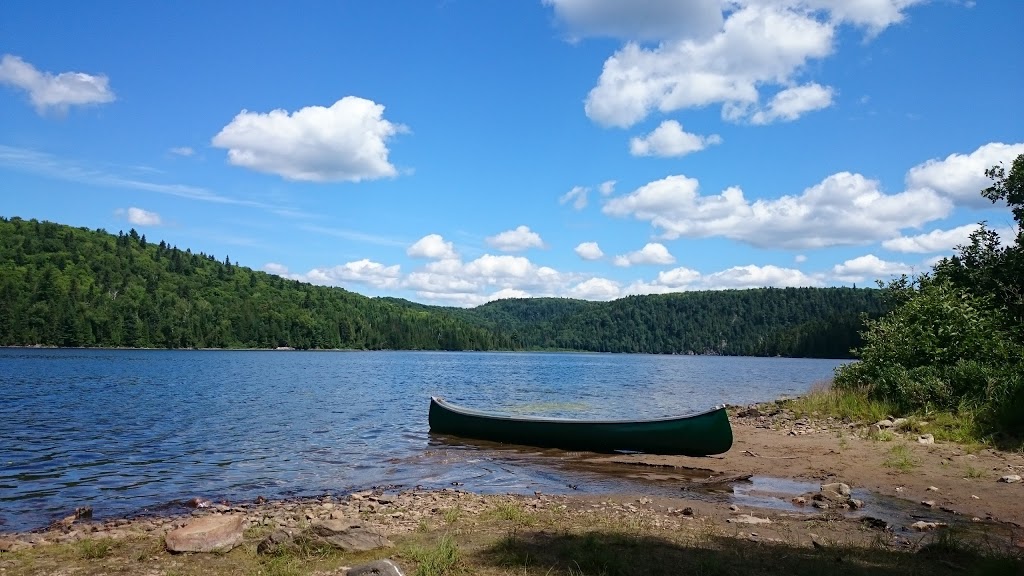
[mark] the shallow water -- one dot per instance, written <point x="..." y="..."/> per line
<point x="127" y="431"/>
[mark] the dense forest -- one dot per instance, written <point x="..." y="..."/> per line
<point x="66" y="286"/>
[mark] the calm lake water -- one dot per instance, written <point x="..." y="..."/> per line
<point x="142" y="431"/>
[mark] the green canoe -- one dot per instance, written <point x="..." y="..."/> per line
<point x="692" y="435"/>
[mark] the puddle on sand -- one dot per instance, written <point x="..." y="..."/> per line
<point x="777" y="494"/>
<point x="494" y="468"/>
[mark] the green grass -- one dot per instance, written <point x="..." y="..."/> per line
<point x="973" y="472"/>
<point x="853" y="405"/>
<point x="960" y="426"/>
<point x="442" y="559"/>
<point x="900" y="459"/>
<point x="95" y="549"/>
<point x="451" y="515"/>
<point x="513" y="512"/>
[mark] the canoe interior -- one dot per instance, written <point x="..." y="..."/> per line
<point x="700" y="434"/>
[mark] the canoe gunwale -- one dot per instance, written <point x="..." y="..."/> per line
<point x="444" y="404"/>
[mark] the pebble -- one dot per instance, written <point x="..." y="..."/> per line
<point x="1011" y="478"/>
<point x="933" y="489"/>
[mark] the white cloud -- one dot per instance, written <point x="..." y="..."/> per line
<point x="183" y="151"/>
<point x="596" y="289"/>
<point x="487" y="278"/>
<point x="758" y="45"/>
<point x="607" y="188"/>
<point x="652" y="253"/>
<point x="869" y="267"/>
<point x="787" y="105"/>
<point x="934" y="241"/>
<point x="346" y="142"/>
<point x="669" y="139"/>
<point x="800" y="258"/>
<point x="639" y="19"/>
<point x="365" y="272"/>
<point x="59" y="91"/>
<point x="275" y="268"/>
<point x="962" y="176"/>
<point x="432" y="246"/>
<point x="943" y="240"/>
<point x="684" y="279"/>
<point x="578" y="197"/>
<point x="589" y="251"/>
<point x="141" y="217"/>
<point x="752" y="276"/>
<point x="843" y="209"/>
<point x="522" y="238"/>
<point x="875" y="15"/>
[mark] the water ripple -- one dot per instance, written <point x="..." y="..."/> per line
<point x="130" y="431"/>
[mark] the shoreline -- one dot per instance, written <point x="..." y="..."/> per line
<point x="765" y="490"/>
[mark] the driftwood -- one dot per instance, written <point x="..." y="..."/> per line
<point x="717" y="481"/>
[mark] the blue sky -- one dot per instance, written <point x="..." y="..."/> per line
<point x="454" y="151"/>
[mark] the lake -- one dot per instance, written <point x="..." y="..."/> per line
<point x="137" y="431"/>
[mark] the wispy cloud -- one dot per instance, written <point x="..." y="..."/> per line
<point x="51" y="166"/>
<point x="354" y="235"/>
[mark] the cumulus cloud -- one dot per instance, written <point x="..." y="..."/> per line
<point x="943" y="240"/>
<point x="961" y="177"/>
<point x="934" y="241"/>
<point x="363" y="272"/>
<point x="141" y="217"/>
<point x="596" y="289"/>
<point x="578" y="197"/>
<point x="639" y="19"/>
<point x="800" y="258"/>
<point x="589" y="251"/>
<point x="868" y="267"/>
<point x="345" y="142"/>
<point x="607" y="188"/>
<point x="432" y="246"/>
<point x="844" y="208"/>
<point x="669" y="139"/>
<point x="483" y="279"/>
<point x="183" y="151"/>
<point x="787" y="105"/>
<point x="758" y="44"/>
<point x="517" y="240"/>
<point x="54" y="91"/>
<point x="652" y="253"/>
<point x="275" y="268"/>
<point x="685" y="279"/>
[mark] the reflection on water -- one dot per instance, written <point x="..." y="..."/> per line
<point x="126" y="431"/>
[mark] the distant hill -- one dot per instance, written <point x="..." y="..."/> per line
<point x="68" y="286"/>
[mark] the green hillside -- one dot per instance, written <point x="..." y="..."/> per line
<point x="66" y="286"/>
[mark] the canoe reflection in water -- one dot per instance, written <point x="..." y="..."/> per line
<point x="701" y="434"/>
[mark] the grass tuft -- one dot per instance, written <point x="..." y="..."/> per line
<point x="442" y="559"/>
<point x="95" y="549"/>
<point x="900" y="459"/>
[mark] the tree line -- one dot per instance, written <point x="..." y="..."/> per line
<point x="67" y="286"/>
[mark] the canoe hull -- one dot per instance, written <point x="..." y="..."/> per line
<point x="696" y="435"/>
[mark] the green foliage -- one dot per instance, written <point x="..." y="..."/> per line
<point x="954" y="339"/>
<point x="808" y="322"/>
<point x="442" y="559"/>
<point x="64" y="286"/>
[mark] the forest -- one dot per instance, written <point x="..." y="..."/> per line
<point x="76" y="287"/>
